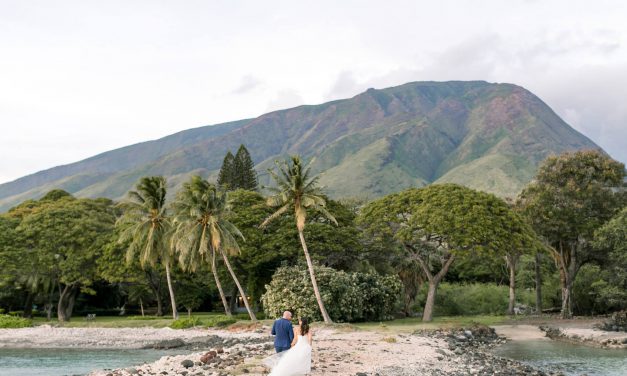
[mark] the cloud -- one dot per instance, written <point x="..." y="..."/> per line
<point x="285" y="98"/>
<point x="588" y="96"/>
<point x="248" y="83"/>
<point x="344" y="87"/>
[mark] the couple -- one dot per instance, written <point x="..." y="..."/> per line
<point x="293" y="347"/>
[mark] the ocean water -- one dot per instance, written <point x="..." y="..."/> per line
<point x="64" y="362"/>
<point x="569" y="358"/>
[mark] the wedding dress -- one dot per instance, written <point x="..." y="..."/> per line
<point x="295" y="361"/>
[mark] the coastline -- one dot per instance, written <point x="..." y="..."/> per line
<point x="580" y="331"/>
<point x="340" y="350"/>
<point x="46" y="336"/>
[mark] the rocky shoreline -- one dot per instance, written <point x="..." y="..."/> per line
<point x="467" y="354"/>
<point x="429" y="352"/>
<point x="588" y="337"/>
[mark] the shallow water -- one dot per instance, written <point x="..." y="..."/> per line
<point x="62" y="362"/>
<point x="568" y="358"/>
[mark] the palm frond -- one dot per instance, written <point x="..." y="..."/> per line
<point x="275" y="215"/>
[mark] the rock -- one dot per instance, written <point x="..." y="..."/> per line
<point x="208" y="357"/>
<point x="132" y="371"/>
<point x="167" y="344"/>
<point x="187" y="363"/>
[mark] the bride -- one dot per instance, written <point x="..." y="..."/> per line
<point x="297" y="360"/>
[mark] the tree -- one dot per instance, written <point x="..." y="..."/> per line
<point x="440" y="223"/>
<point x="245" y="175"/>
<point x="30" y="270"/>
<point x="611" y="238"/>
<point x="68" y="235"/>
<point x="138" y="293"/>
<point x="202" y="231"/>
<point x="146" y="226"/>
<point x="296" y="189"/>
<point x="569" y="199"/>
<point x="238" y="172"/>
<point x="226" y="176"/>
<point x="113" y="268"/>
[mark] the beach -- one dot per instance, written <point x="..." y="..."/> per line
<point x="338" y="350"/>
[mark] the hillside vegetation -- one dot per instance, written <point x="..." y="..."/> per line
<point x="485" y="136"/>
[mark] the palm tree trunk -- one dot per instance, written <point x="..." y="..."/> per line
<point x="239" y="287"/>
<point x="141" y="306"/>
<point x="175" y="314"/>
<point x="323" y="310"/>
<point x="227" y="310"/>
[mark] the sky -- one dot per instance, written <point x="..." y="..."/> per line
<point x="78" y="78"/>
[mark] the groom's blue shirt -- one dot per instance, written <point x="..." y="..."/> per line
<point x="284" y="333"/>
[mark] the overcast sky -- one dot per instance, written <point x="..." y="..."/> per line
<point x="78" y="78"/>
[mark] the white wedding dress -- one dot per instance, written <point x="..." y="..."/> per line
<point x="295" y="361"/>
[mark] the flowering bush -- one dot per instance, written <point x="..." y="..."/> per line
<point x="347" y="296"/>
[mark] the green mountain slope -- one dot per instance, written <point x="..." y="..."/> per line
<point x="483" y="135"/>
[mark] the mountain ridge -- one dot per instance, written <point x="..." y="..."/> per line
<point x="484" y="135"/>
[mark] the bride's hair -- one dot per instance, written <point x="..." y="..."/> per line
<point x="304" y="326"/>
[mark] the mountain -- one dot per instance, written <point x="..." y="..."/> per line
<point x="484" y="135"/>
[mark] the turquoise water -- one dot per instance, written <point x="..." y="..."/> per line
<point x="568" y="358"/>
<point x="62" y="362"/>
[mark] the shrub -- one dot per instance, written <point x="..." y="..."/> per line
<point x="7" y="321"/>
<point x="244" y="316"/>
<point x="616" y="323"/>
<point x="185" y="323"/>
<point x="469" y="299"/>
<point x="219" y="321"/>
<point x="347" y="296"/>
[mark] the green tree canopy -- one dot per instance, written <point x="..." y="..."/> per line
<point x="611" y="238"/>
<point x="238" y="172"/>
<point x="226" y="176"/>
<point x="438" y="223"/>
<point x="245" y="175"/>
<point x="572" y="196"/>
<point x="68" y="236"/>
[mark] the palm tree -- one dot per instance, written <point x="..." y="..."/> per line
<point x="202" y="232"/>
<point x="146" y="226"/>
<point x="296" y="189"/>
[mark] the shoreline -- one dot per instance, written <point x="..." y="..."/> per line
<point x="337" y="350"/>
<point x="46" y="336"/>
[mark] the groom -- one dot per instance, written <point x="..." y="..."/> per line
<point x="282" y="329"/>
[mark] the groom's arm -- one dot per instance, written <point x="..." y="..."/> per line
<point x="274" y="329"/>
<point x="291" y="333"/>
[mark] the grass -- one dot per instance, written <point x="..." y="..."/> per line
<point x="128" y="321"/>
<point x="395" y="326"/>
<point x="414" y="323"/>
